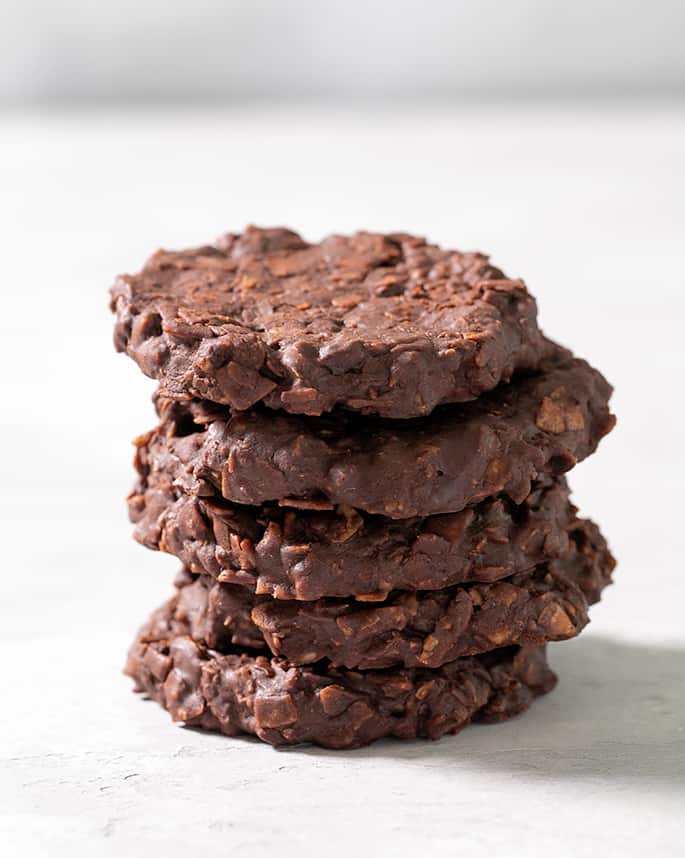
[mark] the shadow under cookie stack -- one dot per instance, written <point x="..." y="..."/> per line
<point x="359" y="462"/>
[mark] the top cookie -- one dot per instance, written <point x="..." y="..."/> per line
<point x="381" y="324"/>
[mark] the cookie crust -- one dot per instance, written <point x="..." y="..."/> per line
<point x="381" y="324"/>
<point x="420" y="629"/>
<point x="535" y="427"/>
<point x="286" y="705"/>
<point x="309" y="554"/>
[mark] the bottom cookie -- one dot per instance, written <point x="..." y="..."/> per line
<point x="336" y="708"/>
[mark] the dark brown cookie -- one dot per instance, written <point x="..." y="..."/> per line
<point x="309" y="554"/>
<point x="382" y="324"/>
<point x="286" y="705"/>
<point x="460" y="455"/>
<point x="421" y="629"/>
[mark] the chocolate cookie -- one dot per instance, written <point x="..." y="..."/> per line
<point x="422" y="629"/>
<point x="382" y="324"/>
<point x="309" y="554"/>
<point x="286" y="705"/>
<point x="461" y="454"/>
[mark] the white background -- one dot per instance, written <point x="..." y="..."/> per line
<point x="588" y="204"/>
<point x="345" y="49"/>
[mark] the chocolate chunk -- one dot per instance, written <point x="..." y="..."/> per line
<point x="422" y="629"/>
<point x="285" y="705"/>
<point x="381" y="324"/>
<point x="535" y="426"/>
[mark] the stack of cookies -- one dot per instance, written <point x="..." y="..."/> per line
<point x="359" y="462"/>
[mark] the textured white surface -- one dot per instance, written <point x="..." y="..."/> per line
<point x="590" y="208"/>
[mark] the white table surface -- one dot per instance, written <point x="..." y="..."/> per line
<point x="589" y="206"/>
